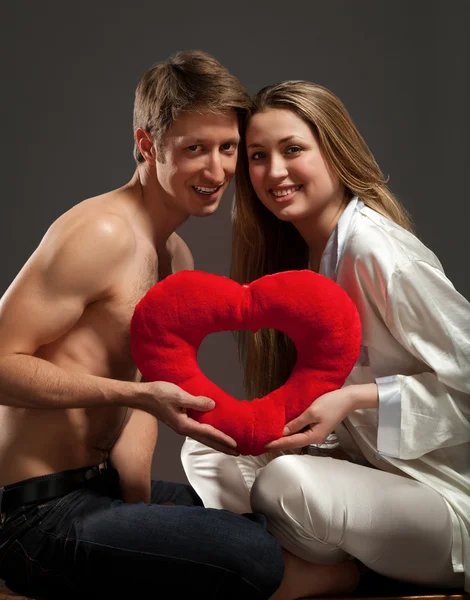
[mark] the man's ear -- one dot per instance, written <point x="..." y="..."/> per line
<point x="146" y="145"/>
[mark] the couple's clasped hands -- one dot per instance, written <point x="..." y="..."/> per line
<point x="313" y="426"/>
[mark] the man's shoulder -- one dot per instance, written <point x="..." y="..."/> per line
<point x="181" y="255"/>
<point x="91" y="226"/>
<point x="87" y="247"/>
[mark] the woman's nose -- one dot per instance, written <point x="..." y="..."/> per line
<point x="277" y="168"/>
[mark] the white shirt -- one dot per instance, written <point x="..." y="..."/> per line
<point x="416" y="347"/>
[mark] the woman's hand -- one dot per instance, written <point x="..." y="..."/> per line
<point x="315" y="424"/>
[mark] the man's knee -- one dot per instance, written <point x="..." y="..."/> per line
<point x="174" y="494"/>
<point x="269" y="564"/>
<point x="244" y="547"/>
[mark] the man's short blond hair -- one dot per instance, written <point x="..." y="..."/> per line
<point x="190" y="81"/>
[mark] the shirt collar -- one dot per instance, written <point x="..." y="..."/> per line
<point x="335" y="245"/>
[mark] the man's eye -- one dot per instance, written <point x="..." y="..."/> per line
<point x="193" y="148"/>
<point x="228" y="146"/>
<point x="293" y="149"/>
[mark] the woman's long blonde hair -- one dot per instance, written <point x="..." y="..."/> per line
<point x="262" y="244"/>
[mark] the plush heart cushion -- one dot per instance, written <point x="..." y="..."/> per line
<point x="172" y="319"/>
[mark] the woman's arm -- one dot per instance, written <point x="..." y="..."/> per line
<point x="417" y="413"/>
<point x="422" y="412"/>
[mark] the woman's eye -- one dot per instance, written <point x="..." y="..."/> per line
<point x="293" y="149"/>
<point x="257" y="156"/>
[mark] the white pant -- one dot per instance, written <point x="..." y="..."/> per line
<point x="326" y="510"/>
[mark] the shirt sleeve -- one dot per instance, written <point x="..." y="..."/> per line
<point x="425" y="411"/>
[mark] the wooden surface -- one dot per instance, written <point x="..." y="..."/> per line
<point x="429" y="597"/>
<point x="6" y="594"/>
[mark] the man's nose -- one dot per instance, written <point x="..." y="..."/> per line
<point x="214" y="170"/>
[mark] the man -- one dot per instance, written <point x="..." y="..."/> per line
<point x="70" y="394"/>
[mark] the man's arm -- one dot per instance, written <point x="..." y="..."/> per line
<point x="181" y="256"/>
<point x="74" y="266"/>
<point x="71" y="269"/>
<point x="132" y="456"/>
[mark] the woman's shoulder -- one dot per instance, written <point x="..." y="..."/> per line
<point x="377" y="239"/>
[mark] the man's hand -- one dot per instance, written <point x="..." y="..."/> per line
<point x="315" y="424"/>
<point x="168" y="403"/>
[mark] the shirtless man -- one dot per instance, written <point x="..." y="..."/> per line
<point x="74" y="412"/>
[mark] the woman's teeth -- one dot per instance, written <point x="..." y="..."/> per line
<point x="285" y="192"/>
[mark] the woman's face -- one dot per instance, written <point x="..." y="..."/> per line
<point x="287" y="169"/>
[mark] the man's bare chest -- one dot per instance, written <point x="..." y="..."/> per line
<point x="99" y="343"/>
<point x="116" y="313"/>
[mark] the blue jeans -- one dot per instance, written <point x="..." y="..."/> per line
<point x="91" y="544"/>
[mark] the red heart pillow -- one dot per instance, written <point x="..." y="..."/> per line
<point x="172" y="319"/>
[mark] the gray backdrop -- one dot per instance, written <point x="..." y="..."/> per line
<point x="69" y="72"/>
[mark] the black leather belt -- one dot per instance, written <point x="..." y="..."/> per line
<point x="46" y="487"/>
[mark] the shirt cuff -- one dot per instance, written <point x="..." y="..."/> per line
<point x="389" y="422"/>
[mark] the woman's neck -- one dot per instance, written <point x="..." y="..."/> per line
<point x="317" y="228"/>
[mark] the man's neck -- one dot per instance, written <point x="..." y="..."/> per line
<point x="155" y="217"/>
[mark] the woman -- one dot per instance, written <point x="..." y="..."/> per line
<point x="310" y="195"/>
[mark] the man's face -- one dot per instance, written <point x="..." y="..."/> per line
<point x="197" y="161"/>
